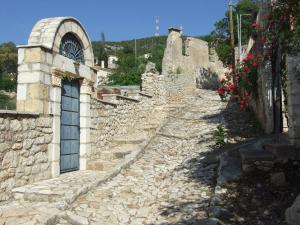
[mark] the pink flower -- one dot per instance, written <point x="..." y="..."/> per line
<point x="255" y="25"/>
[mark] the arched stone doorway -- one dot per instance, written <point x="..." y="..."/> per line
<point x="56" y="77"/>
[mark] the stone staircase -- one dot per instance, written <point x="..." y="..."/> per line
<point x="259" y="154"/>
<point x="65" y="189"/>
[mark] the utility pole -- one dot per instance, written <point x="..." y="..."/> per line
<point x="231" y="32"/>
<point x="135" y="50"/>
<point x="239" y="35"/>
<point x="239" y="29"/>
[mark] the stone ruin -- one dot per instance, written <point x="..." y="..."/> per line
<point x="192" y="57"/>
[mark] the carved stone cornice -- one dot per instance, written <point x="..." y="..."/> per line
<point x="57" y="75"/>
<point x="86" y="82"/>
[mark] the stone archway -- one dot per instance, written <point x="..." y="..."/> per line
<point x="42" y="68"/>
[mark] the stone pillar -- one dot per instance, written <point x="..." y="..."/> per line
<point x="33" y="79"/>
<point x="85" y="122"/>
<point x="293" y="90"/>
<point x="55" y="110"/>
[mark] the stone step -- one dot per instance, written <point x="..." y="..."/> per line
<point x="150" y="127"/>
<point x="282" y="151"/>
<point x="129" y="139"/>
<point x="64" y="188"/>
<point x="256" y="157"/>
<point x="253" y="155"/>
<point x="120" y="152"/>
<point x="102" y="165"/>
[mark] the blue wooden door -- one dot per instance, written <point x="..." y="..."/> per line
<point x="70" y="126"/>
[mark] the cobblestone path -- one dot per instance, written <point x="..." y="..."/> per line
<point x="171" y="183"/>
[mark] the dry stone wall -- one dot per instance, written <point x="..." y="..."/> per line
<point x="121" y="115"/>
<point x="24" y="140"/>
<point x="194" y="58"/>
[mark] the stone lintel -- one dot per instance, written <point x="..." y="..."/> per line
<point x="35" y="46"/>
<point x="58" y="75"/>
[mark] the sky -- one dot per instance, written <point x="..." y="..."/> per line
<point x="118" y="19"/>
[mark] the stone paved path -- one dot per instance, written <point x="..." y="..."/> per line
<point x="170" y="184"/>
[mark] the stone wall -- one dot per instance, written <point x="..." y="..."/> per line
<point x="263" y="106"/>
<point x="30" y="139"/>
<point x="117" y="115"/>
<point x="192" y="58"/>
<point x="24" y="140"/>
<point x="293" y="92"/>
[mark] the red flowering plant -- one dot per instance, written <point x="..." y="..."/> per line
<point x="241" y="84"/>
<point x="281" y="26"/>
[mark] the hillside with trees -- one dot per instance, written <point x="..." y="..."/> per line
<point x="131" y="63"/>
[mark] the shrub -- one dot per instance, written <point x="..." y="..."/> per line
<point x="219" y="136"/>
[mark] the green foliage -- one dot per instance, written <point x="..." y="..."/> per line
<point x="6" y="102"/>
<point x="100" y="51"/>
<point x="284" y="26"/>
<point x="219" y="136"/>
<point x="8" y="58"/>
<point x="144" y="45"/>
<point x="131" y="66"/>
<point x="219" y="37"/>
<point x="157" y="54"/>
<point x="8" y="82"/>
<point x="8" y="66"/>
<point x="129" y="69"/>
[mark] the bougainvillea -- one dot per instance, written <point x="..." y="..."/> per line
<point x="242" y="83"/>
<point x="279" y="26"/>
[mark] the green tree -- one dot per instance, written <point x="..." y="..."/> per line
<point x="157" y="54"/>
<point x="219" y="37"/>
<point x="8" y="66"/>
<point x="129" y="69"/>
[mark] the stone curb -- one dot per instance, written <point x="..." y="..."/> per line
<point x="215" y="205"/>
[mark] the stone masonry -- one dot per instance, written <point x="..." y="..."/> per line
<point x="190" y="57"/>
<point x="24" y="140"/>
<point x="106" y="125"/>
<point x="293" y="89"/>
<point x="115" y="131"/>
<point x="171" y="183"/>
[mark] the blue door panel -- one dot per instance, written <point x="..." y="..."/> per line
<point x="66" y="89"/>
<point x="70" y="118"/>
<point x="75" y="91"/>
<point x="70" y="104"/>
<point x="69" y="132"/>
<point x="70" y="126"/>
<point x="69" y="147"/>
<point x="69" y="162"/>
<point x="66" y="103"/>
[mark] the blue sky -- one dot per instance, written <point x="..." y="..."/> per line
<point x="118" y="19"/>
